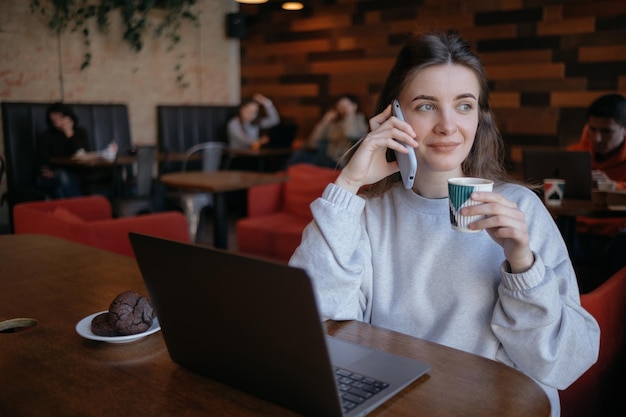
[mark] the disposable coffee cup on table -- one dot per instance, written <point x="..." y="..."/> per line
<point x="459" y="196"/>
<point x="606" y="185"/>
<point x="553" y="191"/>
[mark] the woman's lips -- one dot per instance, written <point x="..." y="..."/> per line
<point x="444" y="146"/>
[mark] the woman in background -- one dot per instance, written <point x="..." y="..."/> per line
<point x="244" y="130"/>
<point x="64" y="138"/>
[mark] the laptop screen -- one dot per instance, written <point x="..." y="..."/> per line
<point x="572" y="166"/>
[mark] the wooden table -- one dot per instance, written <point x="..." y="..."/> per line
<point x="260" y="155"/>
<point x="219" y="183"/>
<point x="570" y="209"/>
<point x="94" y="160"/>
<point x="50" y="370"/>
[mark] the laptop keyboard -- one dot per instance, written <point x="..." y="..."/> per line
<point x="355" y="389"/>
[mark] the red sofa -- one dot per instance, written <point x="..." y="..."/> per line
<point x="278" y="213"/>
<point x="89" y="220"/>
<point x="600" y="390"/>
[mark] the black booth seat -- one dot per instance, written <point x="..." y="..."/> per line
<point x="181" y="127"/>
<point x="22" y="122"/>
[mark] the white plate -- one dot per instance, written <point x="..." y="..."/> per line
<point x="83" y="328"/>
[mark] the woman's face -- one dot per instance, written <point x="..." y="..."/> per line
<point x="60" y="121"/>
<point x="345" y="107"/>
<point x="249" y="112"/>
<point x="441" y="104"/>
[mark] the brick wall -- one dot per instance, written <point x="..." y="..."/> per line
<point x="547" y="60"/>
<point x="36" y="65"/>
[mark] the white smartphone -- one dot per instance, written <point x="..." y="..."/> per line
<point x="407" y="162"/>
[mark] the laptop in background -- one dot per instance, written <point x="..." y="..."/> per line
<point x="572" y="166"/>
<point x="254" y="325"/>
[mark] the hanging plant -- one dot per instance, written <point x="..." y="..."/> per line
<point x="75" y="15"/>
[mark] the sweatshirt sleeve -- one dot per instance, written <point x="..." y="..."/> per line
<point x="271" y="117"/>
<point x="336" y="244"/>
<point x="538" y="318"/>
<point x="237" y="136"/>
<point x="319" y="133"/>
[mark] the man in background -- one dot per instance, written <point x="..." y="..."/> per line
<point x="604" y="137"/>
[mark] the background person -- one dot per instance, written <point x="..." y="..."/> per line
<point x="340" y="128"/>
<point x="604" y="136"/>
<point x="244" y="130"/>
<point x="64" y="138"/>
<point x="388" y="256"/>
<point x="601" y="243"/>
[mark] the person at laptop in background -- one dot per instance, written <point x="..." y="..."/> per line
<point x="604" y="136"/>
<point x="334" y="134"/>
<point x="244" y="130"/>
<point x="387" y="255"/>
<point x="603" y="241"/>
<point x="64" y="138"/>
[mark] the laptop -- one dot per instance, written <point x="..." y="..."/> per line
<point x="572" y="166"/>
<point x="254" y="325"/>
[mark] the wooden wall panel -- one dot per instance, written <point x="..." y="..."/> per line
<point x="288" y="48"/>
<point x="529" y="121"/>
<point x="516" y="57"/>
<point x="505" y="99"/>
<point x="602" y="53"/>
<point x="566" y="27"/>
<point x="525" y="71"/>
<point x="576" y="99"/>
<point x="546" y="59"/>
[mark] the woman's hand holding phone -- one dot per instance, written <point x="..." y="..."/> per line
<point x="369" y="164"/>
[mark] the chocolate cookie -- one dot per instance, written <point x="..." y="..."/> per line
<point x="101" y="326"/>
<point x="130" y="313"/>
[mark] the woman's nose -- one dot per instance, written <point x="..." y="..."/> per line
<point x="446" y="124"/>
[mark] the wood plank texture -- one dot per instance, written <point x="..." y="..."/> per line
<point x="546" y="59"/>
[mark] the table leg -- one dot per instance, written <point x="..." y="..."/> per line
<point x="220" y="221"/>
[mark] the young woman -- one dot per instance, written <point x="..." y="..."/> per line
<point x="62" y="139"/>
<point x="244" y="130"/>
<point x="387" y="255"/>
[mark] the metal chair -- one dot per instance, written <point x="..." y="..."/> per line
<point x="142" y="198"/>
<point x="193" y="203"/>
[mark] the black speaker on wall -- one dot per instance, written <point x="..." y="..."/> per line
<point x="236" y="25"/>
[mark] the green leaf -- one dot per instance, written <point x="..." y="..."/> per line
<point x="76" y="15"/>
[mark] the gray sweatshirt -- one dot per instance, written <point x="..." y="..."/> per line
<point x="395" y="262"/>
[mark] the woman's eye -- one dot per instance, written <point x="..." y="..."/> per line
<point x="426" y="107"/>
<point x="466" y="107"/>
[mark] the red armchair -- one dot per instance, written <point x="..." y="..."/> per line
<point x="600" y="390"/>
<point x="89" y="220"/>
<point x="278" y="213"/>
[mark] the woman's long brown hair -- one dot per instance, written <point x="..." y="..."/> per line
<point x="486" y="158"/>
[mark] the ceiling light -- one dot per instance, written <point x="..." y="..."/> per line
<point x="251" y="1"/>
<point x="293" y="5"/>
